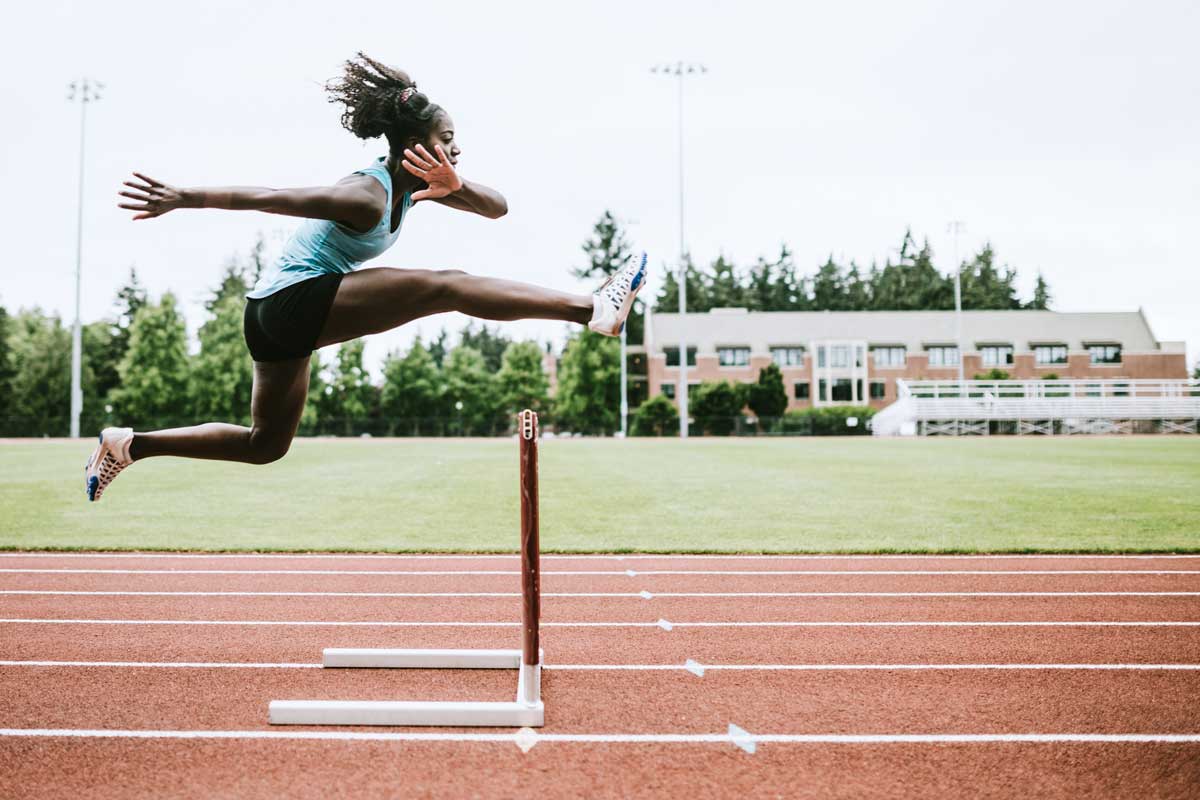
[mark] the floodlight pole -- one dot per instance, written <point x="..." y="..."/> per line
<point x="85" y="91"/>
<point x="679" y="69"/>
<point x="956" y="227"/>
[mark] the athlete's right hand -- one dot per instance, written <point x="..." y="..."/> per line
<point x="155" y="198"/>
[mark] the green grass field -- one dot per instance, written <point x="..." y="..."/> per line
<point x="736" y="495"/>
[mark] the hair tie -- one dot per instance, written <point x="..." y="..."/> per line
<point x="407" y="93"/>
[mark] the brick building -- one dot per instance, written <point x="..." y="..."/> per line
<point x="855" y="357"/>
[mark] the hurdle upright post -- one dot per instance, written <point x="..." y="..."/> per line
<point x="531" y="594"/>
<point x="527" y="710"/>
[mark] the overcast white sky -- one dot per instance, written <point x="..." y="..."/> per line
<point x="1064" y="132"/>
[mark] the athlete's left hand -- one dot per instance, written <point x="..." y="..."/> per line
<point x="154" y="198"/>
<point x="437" y="172"/>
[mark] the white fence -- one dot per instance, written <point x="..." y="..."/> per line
<point x="1067" y="406"/>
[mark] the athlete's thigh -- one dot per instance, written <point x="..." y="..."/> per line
<point x="280" y="391"/>
<point x="379" y="299"/>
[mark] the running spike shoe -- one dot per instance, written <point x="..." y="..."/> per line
<point x="612" y="302"/>
<point x="108" y="459"/>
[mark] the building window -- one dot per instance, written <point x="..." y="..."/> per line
<point x="888" y="356"/>
<point x="843" y="391"/>
<point x="858" y="355"/>
<point x="996" y="355"/>
<point x="878" y="390"/>
<point x="839" y="356"/>
<point x="801" y="390"/>
<point x="1050" y="353"/>
<point x="672" y="354"/>
<point x="668" y="390"/>
<point x="942" y="356"/>
<point x="1105" y="353"/>
<point x="788" y="356"/>
<point x="733" y="356"/>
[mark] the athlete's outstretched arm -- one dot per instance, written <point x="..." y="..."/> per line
<point x="350" y="202"/>
<point x="446" y="186"/>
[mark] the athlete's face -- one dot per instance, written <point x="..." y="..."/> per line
<point x="442" y="134"/>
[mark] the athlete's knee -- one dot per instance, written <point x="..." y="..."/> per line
<point x="266" y="447"/>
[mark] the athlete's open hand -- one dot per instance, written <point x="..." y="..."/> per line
<point x="438" y="172"/>
<point x="155" y="198"/>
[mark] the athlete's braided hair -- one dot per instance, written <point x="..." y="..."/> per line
<point x="381" y="101"/>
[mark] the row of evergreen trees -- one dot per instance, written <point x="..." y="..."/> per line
<point x="911" y="283"/>
<point x="137" y="368"/>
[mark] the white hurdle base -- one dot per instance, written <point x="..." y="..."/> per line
<point x="526" y="711"/>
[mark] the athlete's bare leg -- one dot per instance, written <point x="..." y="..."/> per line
<point x="376" y="300"/>
<point x="280" y="390"/>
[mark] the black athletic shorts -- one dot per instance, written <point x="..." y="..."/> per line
<point x="285" y="325"/>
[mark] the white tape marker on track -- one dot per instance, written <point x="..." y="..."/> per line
<point x="623" y="738"/>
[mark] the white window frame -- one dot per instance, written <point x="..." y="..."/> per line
<point x="788" y="351"/>
<point x="996" y="349"/>
<point x="739" y="351"/>
<point x="1091" y="347"/>
<point x="947" y="355"/>
<point x="1037" y="355"/>
<point x="890" y="349"/>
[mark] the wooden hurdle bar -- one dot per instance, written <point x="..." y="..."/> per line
<point x="526" y="711"/>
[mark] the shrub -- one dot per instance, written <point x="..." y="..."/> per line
<point x="717" y="406"/>
<point x="656" y="417"/>
<point x="828" y="421"/>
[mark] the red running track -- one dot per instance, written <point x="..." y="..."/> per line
<point x="900" y="694"/>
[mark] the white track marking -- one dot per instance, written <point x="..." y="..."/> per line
<point x="689" y="666"/>
<point x="627" y="574"/>
<point x="621" y="738"/>
<point x="658" y="624"/>
<point x="641" y="595"/>
<point x="607" y="556"/>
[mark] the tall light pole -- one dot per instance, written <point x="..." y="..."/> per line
<point x="85" y="91"/>
<point x="680" y="69"/>
<point x="956" y="227"/>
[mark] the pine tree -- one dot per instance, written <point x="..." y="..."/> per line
<point x="490" y="343"/>
<point x="589" y="385"/>
<point x="412" y="390"/>
<point x="829" y="289"/>
<point x="607" y="250"/>
<point x="858" y="290"/>
<point x="154" y="370"/>
<point x="438" y="349"/>
<point x="724" y="288"/>
<point x="697" y="292"/>
<point x="1041" y="295"/>
<point x="522" y="382"/>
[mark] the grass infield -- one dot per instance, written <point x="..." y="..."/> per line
<point x="1086" y="494"/>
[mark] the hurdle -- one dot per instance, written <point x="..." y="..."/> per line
<point x="526" y="711"/>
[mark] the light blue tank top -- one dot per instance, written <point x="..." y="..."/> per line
<point x="321" y="247"/>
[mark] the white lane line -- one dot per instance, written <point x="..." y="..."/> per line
<point x="620" y="738"/>
<point x="623" y="573"/>
<point x="689" y="666"/>
<point x="613" y="557"/>
<point x="641" y="595"/>
<point x="658" y="624"/>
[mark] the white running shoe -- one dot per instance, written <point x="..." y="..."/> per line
<point x="108" y="459"/>
<point x="612" y="302"/>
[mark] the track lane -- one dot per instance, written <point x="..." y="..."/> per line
<point x="117" y="769"/>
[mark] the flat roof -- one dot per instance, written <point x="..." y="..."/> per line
<point x="915" y="330"/>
